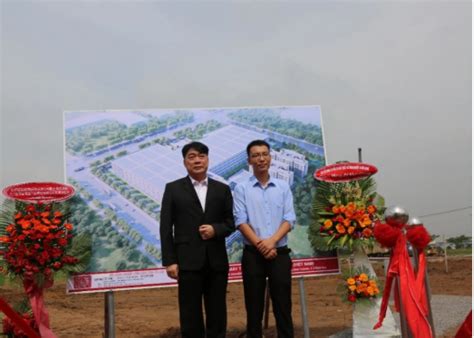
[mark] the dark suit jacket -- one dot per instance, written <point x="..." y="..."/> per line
<point x="181" y="216"/>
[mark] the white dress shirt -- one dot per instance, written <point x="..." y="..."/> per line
<point x="201" y="191"/>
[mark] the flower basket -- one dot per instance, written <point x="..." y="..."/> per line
<point x="36" y="241"/>
<point x="344" y="215"/>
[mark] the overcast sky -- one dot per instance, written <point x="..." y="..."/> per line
<point x="391" y="77"/>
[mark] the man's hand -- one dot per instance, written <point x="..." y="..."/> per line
<point x="172" y="271"/>
<point x="207" y="231"/>
<point x="272" y="254"/>
<point x="265" y="246"/>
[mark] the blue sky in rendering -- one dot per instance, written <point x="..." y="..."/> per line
<point x="391" y="77"/>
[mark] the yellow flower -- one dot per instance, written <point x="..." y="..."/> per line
<point x="363" y="277"/>
<point x="351" y="281"/>
<point x="327" y="224"/>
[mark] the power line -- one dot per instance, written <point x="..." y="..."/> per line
<point x="446" y="212"/>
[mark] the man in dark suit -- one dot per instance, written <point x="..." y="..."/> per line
<point x="196" y="216"/>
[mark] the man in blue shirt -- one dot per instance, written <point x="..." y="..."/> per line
<point x="264" y="214"/>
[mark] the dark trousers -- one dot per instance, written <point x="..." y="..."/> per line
<point x="193" y="287"/>
<point x="255" y="270"/>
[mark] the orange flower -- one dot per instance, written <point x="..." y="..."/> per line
<point x="350" y="281"/>
<point x="327" y="224"/>
<point x="24" y="224"/>
<point x="41" y="228"/>
<point x="350" y="230"/>
<point x="363" y="277"/>
<point x="4" y="239"/>
<point x="10" y="228"/>
<point x="365" y="221"/>
<point x="367" y="232"/>
<point x="370" y="290"/>
<point x="340" y="228"/>
<point x="45" y="214"/>
<point x="352" y="287"/>
<point x="57" y="214"/>
<point x="349" y="214"/>
<point x="18" y="215"/>
<point x="69" y="226"/>
<point x="346" y="222"/>
<point x="371" y="209"/>
<point x="361" y="287"/>
<point x="335" y="209"/>
<point x="351" y="207"/>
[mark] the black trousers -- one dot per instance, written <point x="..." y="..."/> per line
<point x="194" y="287"/>
<point x="255" y="270"/>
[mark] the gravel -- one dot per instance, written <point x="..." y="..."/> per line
<point x="448" y="312"/>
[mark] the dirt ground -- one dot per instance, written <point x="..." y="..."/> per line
<point x="153" y="313"/>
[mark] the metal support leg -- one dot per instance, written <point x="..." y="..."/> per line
<point x="304" y="311"/>
<point x="109" y="315"/>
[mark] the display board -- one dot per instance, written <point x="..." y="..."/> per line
<point x="119" y="161"/>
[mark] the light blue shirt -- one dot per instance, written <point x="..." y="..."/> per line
<point x="265" y="209"/>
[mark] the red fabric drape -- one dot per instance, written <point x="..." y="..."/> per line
<point x="17" y="319"/>
<point x="465" y="330"/>
<point x="412" y="289"/>
<point x="35" y="294"/>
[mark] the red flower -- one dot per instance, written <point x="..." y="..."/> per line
<point x="36" y="243"/>
<point x="351" y="298"/>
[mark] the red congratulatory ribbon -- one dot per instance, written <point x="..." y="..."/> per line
<point x="17" y="319"/>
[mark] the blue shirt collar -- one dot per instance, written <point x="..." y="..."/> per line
<point x="255" y="182"/>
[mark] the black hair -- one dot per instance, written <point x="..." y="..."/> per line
<point x="201" y="148"/>
<point x="256" y="143"/>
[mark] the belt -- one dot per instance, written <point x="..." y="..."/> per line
<point x="280" y="250"/>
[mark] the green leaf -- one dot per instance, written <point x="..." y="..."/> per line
<point x="332" y="239"/>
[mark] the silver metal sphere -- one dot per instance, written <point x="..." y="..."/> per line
<point x="396" y="216"/>
<point x="414" y="221"/>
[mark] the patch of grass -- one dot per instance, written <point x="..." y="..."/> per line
<point x="460" y="252"/>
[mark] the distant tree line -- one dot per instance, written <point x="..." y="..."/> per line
<point x="198" y="131"/>
<point x="461" y="242"/>
<point x="96" y="136"/>
<point x="271" y="120"/>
